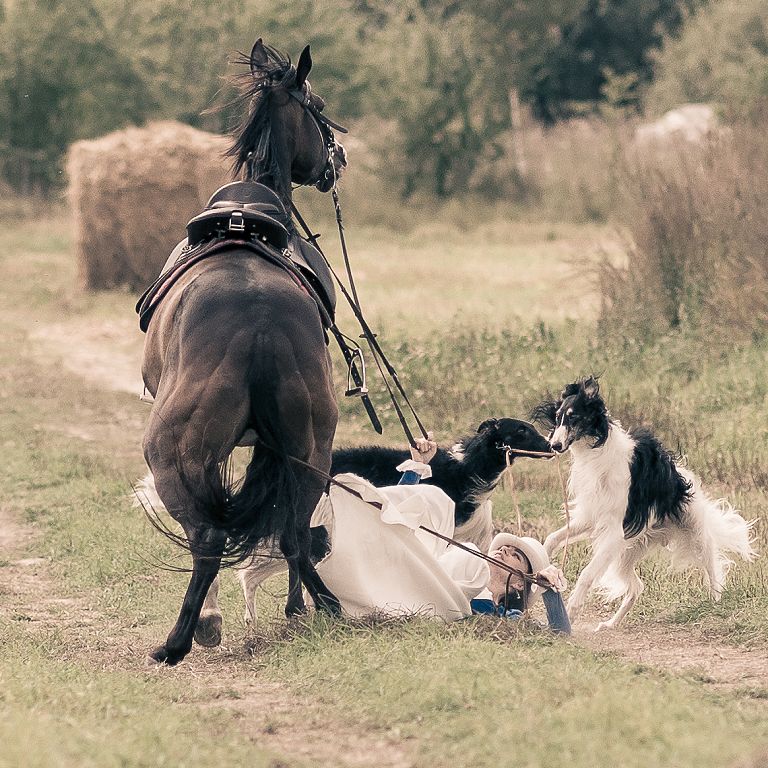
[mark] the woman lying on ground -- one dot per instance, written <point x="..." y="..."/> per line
<point x="383" y="561"/>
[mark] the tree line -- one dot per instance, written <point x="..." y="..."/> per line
<point x="445" y="73"/>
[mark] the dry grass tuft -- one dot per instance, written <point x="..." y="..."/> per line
<point x="699" y="228"/>
<point x="132" y="193"/>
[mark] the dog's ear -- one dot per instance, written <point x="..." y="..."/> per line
<point x="591" y="387"/>
<point x="545" y="413"/>
<point x="570" y="389"/>
<point x="487" y="424"/>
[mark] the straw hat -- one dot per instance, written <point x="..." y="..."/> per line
<point x="531" y="548"/>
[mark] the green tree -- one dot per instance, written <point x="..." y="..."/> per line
<point x="61" y="78"/>
<point x="584" y="44"/>
<point x="721" y="57"/>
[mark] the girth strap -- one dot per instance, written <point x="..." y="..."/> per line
<point x="158" y="290"/>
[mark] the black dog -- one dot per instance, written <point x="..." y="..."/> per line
<point x="467" y="473"/>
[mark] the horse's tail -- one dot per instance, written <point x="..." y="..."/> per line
<point x="253" y="511"/>
<point x="258" y="508"/>
<point x="267" y="501"/>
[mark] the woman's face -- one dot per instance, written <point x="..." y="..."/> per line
<point x="497" y="584"/>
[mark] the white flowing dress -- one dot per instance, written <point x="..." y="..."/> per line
<point x="380" y="562"/>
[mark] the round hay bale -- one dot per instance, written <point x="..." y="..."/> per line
<point x="132" y="193"/>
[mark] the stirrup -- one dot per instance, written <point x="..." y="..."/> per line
<point x="356" y="385"/>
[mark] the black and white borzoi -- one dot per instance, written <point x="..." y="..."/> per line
<point x="630" y="495"/>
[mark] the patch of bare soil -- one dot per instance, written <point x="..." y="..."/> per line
<point x="27" y="593"/>
<point x="107" y="354"/>
<point x="298" y="730"/>
<point x="680" y="650"/>
<point x="276" y="721"/>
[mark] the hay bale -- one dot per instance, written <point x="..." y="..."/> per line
<point x="132" y="193"/>
<point x="689" y="123"/>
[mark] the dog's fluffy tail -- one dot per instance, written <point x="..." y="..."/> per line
<point x="720" y="528"/>
<point x="713" y="535"/>
<point x="145" y="494"/>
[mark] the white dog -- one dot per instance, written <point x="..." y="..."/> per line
<point x="631" y="495"/>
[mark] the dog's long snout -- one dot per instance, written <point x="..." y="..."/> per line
<point x="558" y="440"/>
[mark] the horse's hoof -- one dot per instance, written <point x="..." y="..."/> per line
<point x="295" y="607"/>
<point x="291" y="611"/>
<point x="208" y="631"/>
<point x="162" y="655"/>
<point x="329" y="604"/>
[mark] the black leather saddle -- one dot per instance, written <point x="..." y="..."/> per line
<point x="243" y="213"/>
<point x="242" y="210"/>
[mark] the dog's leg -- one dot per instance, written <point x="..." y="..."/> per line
<point x="578" y="532"/>
<point x="597" y="566"/>
<point x="626" y="572"/>
<point x="263" y="565"/>
<point x="713" y="567"/>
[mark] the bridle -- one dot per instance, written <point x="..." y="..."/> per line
<point x="325" y="127"/>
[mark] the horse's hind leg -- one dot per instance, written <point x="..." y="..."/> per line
<point x="296" y="547"/>
<point x="309" y="424"/>
<point x="206" y="545"/>
<point x="182" y="491"/>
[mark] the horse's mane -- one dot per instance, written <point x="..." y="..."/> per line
<point x="253" y="141"/>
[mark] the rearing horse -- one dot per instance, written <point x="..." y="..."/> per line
<point x="237" y="346"/>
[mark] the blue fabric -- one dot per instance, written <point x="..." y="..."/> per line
<point x="557" y="616"/>
<point x="489" y="607"/>
<point x="409" y="477"/>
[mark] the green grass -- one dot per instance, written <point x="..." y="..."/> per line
<point x="57" y="708"/>
<point x="522" y="699"/>
<point x="74" y="692"/>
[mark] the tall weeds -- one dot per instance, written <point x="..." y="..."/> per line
<point x="698" y="256"/>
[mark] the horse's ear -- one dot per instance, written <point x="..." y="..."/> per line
<point x="303" y="67"/>
<point x="259" y="58"/>
<point x="591" y="387"/>
<point x="487" y="424"/>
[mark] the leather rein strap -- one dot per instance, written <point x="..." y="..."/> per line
<point x="326" y="126"/>
<point x="511" y="570"/>
<point x="370" y="337"/>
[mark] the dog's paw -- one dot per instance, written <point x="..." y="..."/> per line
<point x="603" y="625"/>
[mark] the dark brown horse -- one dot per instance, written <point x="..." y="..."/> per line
<point x="237" y="347"/>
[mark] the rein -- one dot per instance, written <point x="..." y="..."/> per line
<point x="325" y="127"/>
<point x="382" y="362"/>
<point x="377" y="505"/>
<point x="563" y="487"/>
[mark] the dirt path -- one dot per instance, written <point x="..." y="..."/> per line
<point x="271" y="716"/>
<point x="681" y="650"/>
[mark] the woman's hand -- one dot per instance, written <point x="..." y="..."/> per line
<point x="425" y="449"/>
<point x="553" y="576"/>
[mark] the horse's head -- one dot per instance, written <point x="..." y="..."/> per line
<point x="285" y="137"/>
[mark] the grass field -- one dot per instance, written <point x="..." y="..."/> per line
<point x="481" y="326"/>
